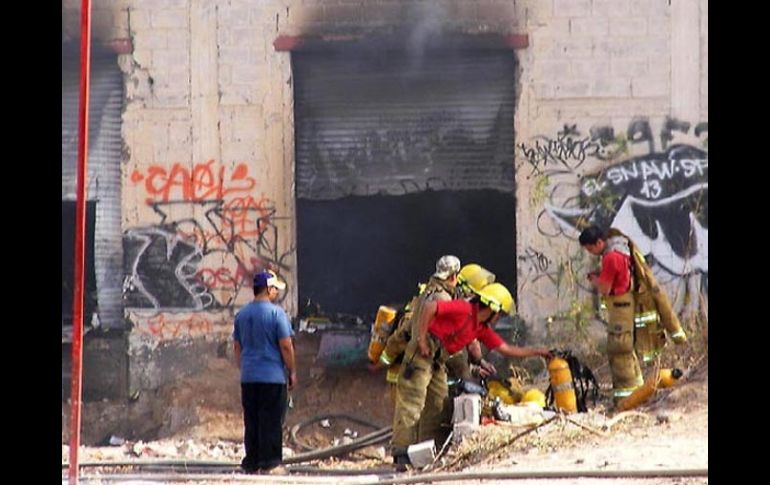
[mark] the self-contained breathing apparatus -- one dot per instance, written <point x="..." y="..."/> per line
<point x="571" y="383"/>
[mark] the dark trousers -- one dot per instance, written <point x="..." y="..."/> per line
<point x="263" y="408"/>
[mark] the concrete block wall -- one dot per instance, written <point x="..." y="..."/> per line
<point x="208" y="183"/>
<point x="603" y="87"/>
<point x="704" y="59"/>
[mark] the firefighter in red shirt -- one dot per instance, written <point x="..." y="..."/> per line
<point x="615" y="283"/>
<point x="442" y="329"/>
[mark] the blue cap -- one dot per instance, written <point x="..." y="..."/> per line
<point x="267" y="278"/>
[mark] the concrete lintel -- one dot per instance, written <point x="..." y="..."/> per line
<point x="288" y="43"/>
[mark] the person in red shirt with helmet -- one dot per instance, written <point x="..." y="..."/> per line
<point x="442" y="329"/>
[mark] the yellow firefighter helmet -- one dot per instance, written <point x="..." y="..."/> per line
<point x="474" y="277"/>
<point x="498" y="389"/>
<point x="534" y="395"/>
<point x="498" y="298"/>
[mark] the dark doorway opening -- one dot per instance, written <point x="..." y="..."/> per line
<point x="356" y="253"/>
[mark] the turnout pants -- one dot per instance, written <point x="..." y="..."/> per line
<point x="624" y="364"/>
<point x="421" y="396"/>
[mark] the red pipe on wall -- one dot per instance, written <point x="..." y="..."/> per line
<point x="80" y="232"/>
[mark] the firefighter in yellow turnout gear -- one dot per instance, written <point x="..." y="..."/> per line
<point x="441" y="329"/>
<point x="470" y="278"/>
<point x="614" y="281"/>
<point x="653" y="313"/>
<point x="441" y="287"/>
<point x="631" y="294"/>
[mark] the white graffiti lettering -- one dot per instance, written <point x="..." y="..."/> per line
<point x="649" y="170"/>
<point x="651" y="189"/>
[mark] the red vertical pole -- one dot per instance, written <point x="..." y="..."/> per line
<point x="80" y="231"/>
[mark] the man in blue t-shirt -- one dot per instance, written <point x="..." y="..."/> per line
<point x="264" y="351"/>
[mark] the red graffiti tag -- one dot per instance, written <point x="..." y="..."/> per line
<point x="162" y="327"/>
<point x="216" y="278"/>
<point x="222" y="277"/>
<point x="204" y="182"/>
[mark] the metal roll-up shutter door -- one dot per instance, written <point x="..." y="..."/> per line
<point x="395" y="124"/>
<point x="400" y="158"/>
<point x="104" y="263"/>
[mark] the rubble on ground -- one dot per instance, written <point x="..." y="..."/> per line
<point x="678" y="412"/>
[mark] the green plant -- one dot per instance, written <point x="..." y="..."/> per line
<point x="579" y="314"/>
<point x="605" y="199"/>
<point x="622" y="145"/>
<point x="616" y="148"/>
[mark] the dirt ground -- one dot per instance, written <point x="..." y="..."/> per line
<point x="352" y="390"/>
<point x="670" y="431"/>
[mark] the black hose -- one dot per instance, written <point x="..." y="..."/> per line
<point x="378" y="436"/>
<point x="295" y="429"/>
<point x="422" y="478"/>
<point x="535" y="474"/>
<point x="314" y="470"/>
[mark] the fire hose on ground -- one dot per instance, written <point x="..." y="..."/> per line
<point x="295" y="429"/>
<point x="383" y="476"/>
<point x="378" y="436"/>
<point x="422" y="478"/>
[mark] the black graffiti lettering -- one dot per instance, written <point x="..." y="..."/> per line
<point x="567" y="150"/>
<point x="669" y="126"/>
<point x="639" y="131"/>
<point x="159" y="281"/>
<point x="660" y="198"/>
<point x="568" y="130"/>
<point x="160" y="265"/>
<point x="537" y="260"/>
<point x="603" y="134"/>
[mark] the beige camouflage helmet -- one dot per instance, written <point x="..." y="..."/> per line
<point x="446" y="266"/>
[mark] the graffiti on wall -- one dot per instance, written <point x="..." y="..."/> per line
<point x="161" y="326"/>
<point x="564" y="152"/>
<point x="652" y="187"/>
<point x="206" y="258"/>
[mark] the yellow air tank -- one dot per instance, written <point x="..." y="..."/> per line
<point x="381" y="330"/>
<point x="666" y="378"/>
<point x="561" y="384"/>
<point x="669" y="377"/>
